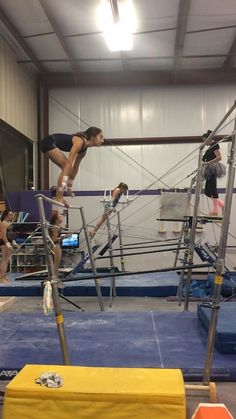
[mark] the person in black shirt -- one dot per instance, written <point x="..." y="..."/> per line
<point x="212" y="169"/>
<point x="76" y="145"/>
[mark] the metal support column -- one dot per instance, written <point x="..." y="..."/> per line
<point x="112" y="266"/>
<point x="220" y="262"/>
<point x="179" y="244"/>
<point x="196" y="204"/>
<point x="122" y="260"/>
<point x="193" y="228"/>
<point x="181" y="279"/>
<point x="93" y="266"/>
<point x="53" y="280"/>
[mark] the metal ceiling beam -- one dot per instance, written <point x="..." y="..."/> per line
<point x="183" y="12"/>
<point x="229" y="61"/>
<point x="61" y="38"/>
<point x="156" y="140"/>
<point x="138" y="78"/>
<point x="77" y="35"/>
<point x="154" y="57"/>
<point x="17" y="37"/>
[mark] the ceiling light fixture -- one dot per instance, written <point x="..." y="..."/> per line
<point x="117" y="20"/>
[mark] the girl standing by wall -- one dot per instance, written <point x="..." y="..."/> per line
<point x="212" y="169"/>
<point x="5" y="243"/>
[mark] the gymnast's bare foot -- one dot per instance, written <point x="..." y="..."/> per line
<point x="60" y="198"/>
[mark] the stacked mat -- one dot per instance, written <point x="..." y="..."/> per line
<point x="225" y="340"/>
<point x="156" y="284"/>
<point x="101" y="393"/>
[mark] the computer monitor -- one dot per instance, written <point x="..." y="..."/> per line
<point x="71" y="241"/>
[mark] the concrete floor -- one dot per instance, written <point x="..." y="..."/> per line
<point x="226" y="391"/>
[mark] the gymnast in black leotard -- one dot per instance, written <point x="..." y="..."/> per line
<point x="76" y="145"/>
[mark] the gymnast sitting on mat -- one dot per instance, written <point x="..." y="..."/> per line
<point x="110" y="206"/>
<point x="212" y="169"/>
<point x="76" y="144"/>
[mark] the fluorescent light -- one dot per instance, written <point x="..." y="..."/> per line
<point x="127" y="14"/>
<point x="118" y="35"/>
<point x="104" y="14"/>
<point x="118" y="38"/>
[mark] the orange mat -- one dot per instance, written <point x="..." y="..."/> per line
<point x="211" y="411"/>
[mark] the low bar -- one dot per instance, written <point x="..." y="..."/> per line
<point x="142" y="253"/>
<point x="176" y="268"/>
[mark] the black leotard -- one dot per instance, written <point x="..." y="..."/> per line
<point x="61" y="141"/>
<point x="10" y="235"/>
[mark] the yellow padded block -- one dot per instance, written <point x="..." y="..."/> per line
<point x="101" y="393"/>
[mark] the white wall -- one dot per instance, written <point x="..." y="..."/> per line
<point x="140" y="112"/>
<point x="18" y="98"/>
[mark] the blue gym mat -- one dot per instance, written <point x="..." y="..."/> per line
<point x="225" y="340"/>
<point x="112" y="339"/>
<point x="160" y="284"/>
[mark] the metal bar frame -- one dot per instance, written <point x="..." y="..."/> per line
<point x="179" y="244"/>
<point x="193" y="228"/>
<point x="181" y="279"/>
<point x="54" y="202"/>
<point x="171" y="268"/>
<point x="70" y="302"/>
<point x="220" y="262"/>
<point x="92" y="261"/>
<point x="53" y="281"/>
<point x="146" y="247"/>
<point x="122" y="260"/>
<point x="112" y="266"/>
<point x="172" y="249"/>
<point x="147" y="242"/>
<point x="42" y="197"/>
<point x="196" y="204"/>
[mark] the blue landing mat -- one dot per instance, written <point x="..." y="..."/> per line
<point x="225" y="341"/>
<point x="160" y="284"/>
<point x="141" y="339"/>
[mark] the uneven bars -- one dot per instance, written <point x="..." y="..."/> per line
<point x="108" y="276"/>
<point x="53" y="201"/>
<point x="172" y="249"/>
